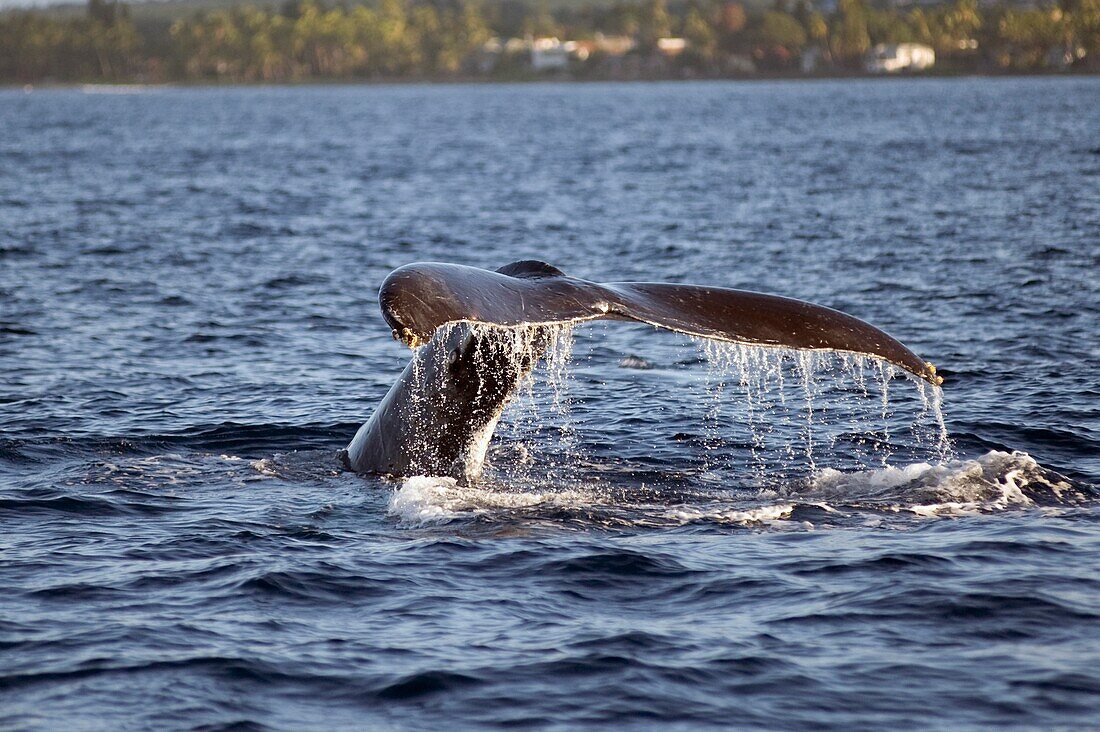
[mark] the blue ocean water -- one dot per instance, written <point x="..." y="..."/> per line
<point x="671" y="533"/>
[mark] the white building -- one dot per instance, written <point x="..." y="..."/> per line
<point x="671" y="46"/>
<point x="890" y="58"/>
<point x="549" y="54"/>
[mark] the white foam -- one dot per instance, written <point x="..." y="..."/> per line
<point x="426" y="500"/>
<point x="265" y="466"/>
<point x="992" y="482"/>
<point x="761" y="514"/>
<point x="828" y="480"/>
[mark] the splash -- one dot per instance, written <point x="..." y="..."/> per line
<point x="425" y="500"/>
<point x="995" y="481"/>
<point x="992" y="483"/>
<point x="534" y="358"/>
<point x="461" y="380"/>
<point x="761" y="379"/>
<point x="791" y="408"/>
<point x="778" y="412"/>
<point x="540" y="406"/>
<point x="766" y="514"/>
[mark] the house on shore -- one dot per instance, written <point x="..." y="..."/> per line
<point x="892" y="58"/>
<point x="671" y="46"/>
<point x="550" y="54"/>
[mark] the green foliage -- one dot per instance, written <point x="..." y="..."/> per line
<point x="779" y="29"/>
<point x="886" y="27"/>
<point x="389" y="40"/>
<point x="775" y="39"/>
<point x="101" y="45"/>
<point x="700" y="34"/>
<point x="1029" y="34"/>
<point x="366" y="39"/>
<point x="653" y="23"/>
<point x="1085" y="20"/>
<point x="849" y="38"/>
<point x="539" y="21"/>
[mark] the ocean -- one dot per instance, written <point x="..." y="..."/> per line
<point x="672" y="533"/>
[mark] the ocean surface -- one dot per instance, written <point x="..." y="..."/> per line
<point x="671" y="533"/>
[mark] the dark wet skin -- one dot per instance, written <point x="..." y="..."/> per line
<point x="434" y="419"/>
<point x="418" y="298"/>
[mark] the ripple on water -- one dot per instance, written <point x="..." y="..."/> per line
<point x="669" y="535"/>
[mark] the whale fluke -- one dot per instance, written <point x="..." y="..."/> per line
<point x="419" y="298"/>
<point x="439" y="416"/>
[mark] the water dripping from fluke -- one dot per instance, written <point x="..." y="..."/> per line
<point x="772" y="414"/>
<point x="788" y="440"/>
<point x="800" y="411"/>
<point x="539" y="415"/>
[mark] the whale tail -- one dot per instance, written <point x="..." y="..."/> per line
<point x="418" y="298"/>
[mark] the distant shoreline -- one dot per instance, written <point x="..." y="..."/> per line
<point x="477" y="80"/>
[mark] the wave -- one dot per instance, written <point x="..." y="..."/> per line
<point x="246" y="440"/>
<point x="996" y="481"/>
<point x="426" y="500"/>
<point x="142" y="475"/>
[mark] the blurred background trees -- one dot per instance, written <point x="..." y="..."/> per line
<point x="383" y="39"/>
<point x="102" y="45"/>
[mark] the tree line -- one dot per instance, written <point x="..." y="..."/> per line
<point x="395" y="39"/>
